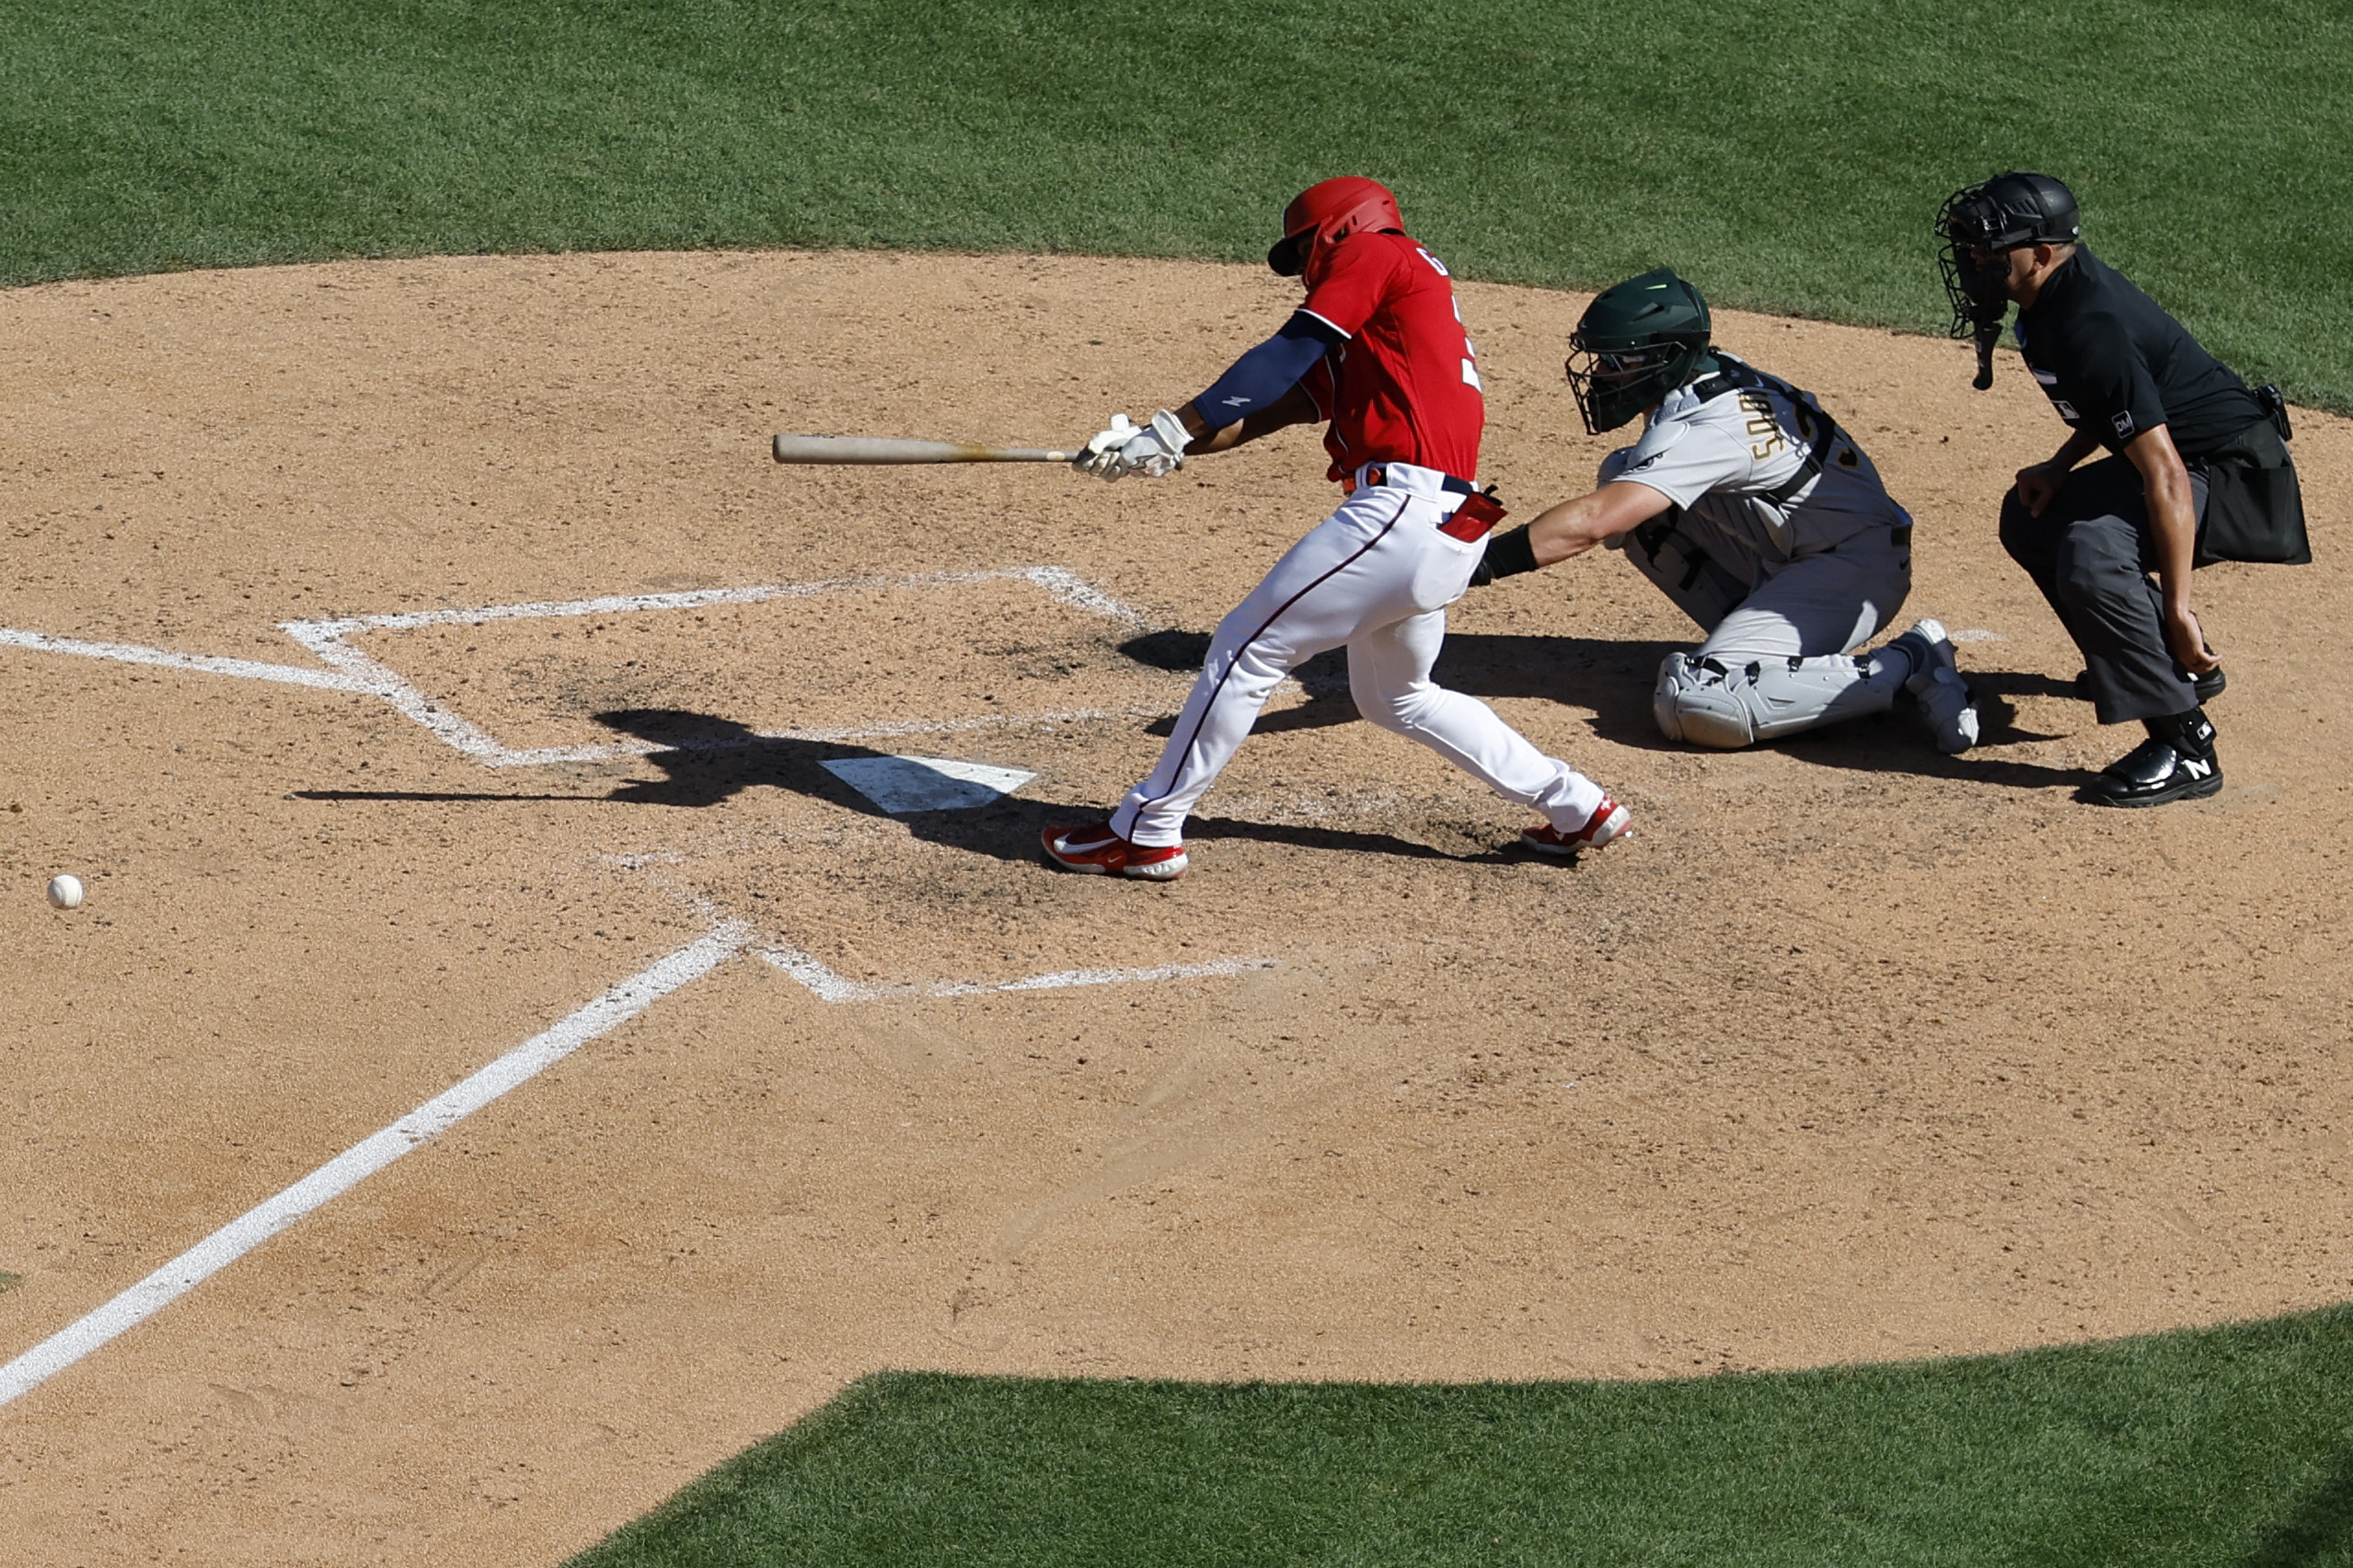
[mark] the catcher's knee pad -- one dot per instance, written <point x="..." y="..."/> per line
<point x="1698" y="701"/>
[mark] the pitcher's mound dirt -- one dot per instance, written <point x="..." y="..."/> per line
<point x="1852" y="1052"/>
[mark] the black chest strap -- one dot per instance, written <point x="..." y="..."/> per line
<point x="1814" y="428"/>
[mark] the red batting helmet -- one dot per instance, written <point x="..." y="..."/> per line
<point x="1331" y="210"/>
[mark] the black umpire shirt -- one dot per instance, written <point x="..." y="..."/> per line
<point x="2112" y="362"/>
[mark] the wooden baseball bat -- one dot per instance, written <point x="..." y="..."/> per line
<point x="895" y="449"/>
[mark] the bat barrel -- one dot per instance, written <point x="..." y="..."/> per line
<point x="864" y="449"/>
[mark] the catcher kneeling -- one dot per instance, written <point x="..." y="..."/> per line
<point x="1759" y="516"/>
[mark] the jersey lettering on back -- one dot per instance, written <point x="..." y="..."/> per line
<point x="1405" y="386"/>
<point x="1738" y="465"/>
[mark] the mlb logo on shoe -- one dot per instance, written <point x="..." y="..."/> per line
<point x="2123" y="422"/>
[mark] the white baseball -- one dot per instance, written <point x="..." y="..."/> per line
<point x="65" y="891"/>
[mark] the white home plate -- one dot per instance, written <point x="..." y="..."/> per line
<point x="904" y="784"/>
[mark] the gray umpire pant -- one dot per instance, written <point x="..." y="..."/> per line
<point x="2092" y="552"/>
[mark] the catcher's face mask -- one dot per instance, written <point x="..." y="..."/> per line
<point x="1982" y="225"/>
<point x="1611" y="386"/>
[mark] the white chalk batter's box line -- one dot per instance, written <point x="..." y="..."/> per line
<point x="327" y="639"/>
<point x="352" y="671"/>
<point x="828" y="987"/>
<point x="601" y="1016"/>
<point x="822" y="982"/>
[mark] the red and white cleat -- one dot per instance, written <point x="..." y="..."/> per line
<point x="1096" y="850"/>
<point x="1607" y="822"/>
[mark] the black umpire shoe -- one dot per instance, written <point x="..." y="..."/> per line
<point x="2175" y="763"/>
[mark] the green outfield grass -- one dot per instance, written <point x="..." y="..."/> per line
<point x="2230" y="1449"/>
<point x="1787" y="156"/>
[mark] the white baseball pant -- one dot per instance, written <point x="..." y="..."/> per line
<point x="1376" y="575"/>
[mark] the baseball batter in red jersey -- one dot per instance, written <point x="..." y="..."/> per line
<point x="1377" y="351"/>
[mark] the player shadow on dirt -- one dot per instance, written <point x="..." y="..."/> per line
<point x="1612" y="678"/>
<point x="1895" y="743"/>
<point x="709" y="759"/>
<point x="706" y="760"/>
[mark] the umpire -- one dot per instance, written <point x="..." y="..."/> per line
<point x="2197" y="471"/>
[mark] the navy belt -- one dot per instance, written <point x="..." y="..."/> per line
<point x="1376" y="474"/>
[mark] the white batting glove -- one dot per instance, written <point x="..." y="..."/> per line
<point x="1100" y="456"/>
<point x="1157" y="449"/>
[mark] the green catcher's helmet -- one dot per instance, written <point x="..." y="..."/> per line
<point x="1637" y="341"/>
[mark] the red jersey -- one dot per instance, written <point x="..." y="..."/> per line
<point x="1404" y="388"/>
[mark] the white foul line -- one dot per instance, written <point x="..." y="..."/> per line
<point x="362" y="1159"/>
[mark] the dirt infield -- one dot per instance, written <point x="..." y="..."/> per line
<point x="1854" y="1052"/>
